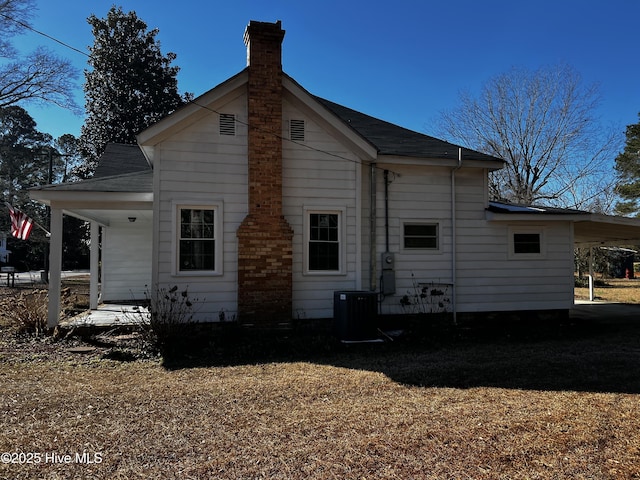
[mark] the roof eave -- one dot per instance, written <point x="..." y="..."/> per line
<point x="448" y="161"/>
<point x="73" y="199"/>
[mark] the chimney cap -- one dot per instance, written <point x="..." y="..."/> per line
<point x="264" y="29"/>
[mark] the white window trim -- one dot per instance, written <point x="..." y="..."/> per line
<point x="539" y="229"/>
<point x="176" y="206"/>
<point x="421" y="221"/>
<point x="342" y="235"/>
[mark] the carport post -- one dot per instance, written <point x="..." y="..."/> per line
<point x="591" y="293"/>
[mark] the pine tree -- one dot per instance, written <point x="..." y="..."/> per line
<point x="628" y="171"/>
<point x="130" y="85"/>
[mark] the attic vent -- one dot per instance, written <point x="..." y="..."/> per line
<point x="296" y="130"/>
<point x="227" y="124"/>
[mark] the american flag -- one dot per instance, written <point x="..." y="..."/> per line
<point x="21" y="224"/>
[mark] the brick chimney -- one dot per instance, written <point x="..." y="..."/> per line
<point x="264" y="237"/>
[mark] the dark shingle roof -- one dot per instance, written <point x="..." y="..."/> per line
<point x="136" y="182"/>
<point x="391" y="139"/>
<point x="119" y="159"/>
<point x="121" y="168"/>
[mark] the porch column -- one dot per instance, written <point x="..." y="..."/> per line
<point x="94" y="266"/>
<point x="55" y="266"/>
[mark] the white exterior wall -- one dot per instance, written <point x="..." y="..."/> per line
<point x="126" y="272"/>
<point x="315" y="179"/>
<point x="487" y="277"/>
<point x="200" y="166"/>
<point x="415" y="194"/>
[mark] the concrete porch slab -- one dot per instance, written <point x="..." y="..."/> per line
<point x="109" y="315"/>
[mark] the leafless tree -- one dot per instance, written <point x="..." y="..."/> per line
<point x="39" y="76"/>
<point x="543" y="124"/>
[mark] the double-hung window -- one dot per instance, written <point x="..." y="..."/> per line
<point x="324" y="247"/>
<point x="198" y="245"/>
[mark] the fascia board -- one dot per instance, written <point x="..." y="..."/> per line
<point x="438" y="162"/>
<point x="534" y="217"/>
<point x="93" y="200"/>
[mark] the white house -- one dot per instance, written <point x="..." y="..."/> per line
<point x="4" y="253"/>
<point x="264" y="200"/>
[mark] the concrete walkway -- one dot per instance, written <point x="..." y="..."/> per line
<point x="109" y="315"/>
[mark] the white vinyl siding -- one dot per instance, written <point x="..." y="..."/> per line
<point x="126" y="272"/>
<point x="198" y="166"/>
<point x="326" y="182"/>
<point x="489" y="277"/>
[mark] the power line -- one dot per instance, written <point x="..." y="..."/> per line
<point x="29" y="27"/>
<point x="309" y="147"/>
<point x="66" y="45"/>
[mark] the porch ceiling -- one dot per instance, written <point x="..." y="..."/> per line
<point x="606" y="230"/>
<point x="108" y="217"/>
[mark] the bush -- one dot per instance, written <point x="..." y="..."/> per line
<point x="169" y="322"/>
<point x="28" y="310"/>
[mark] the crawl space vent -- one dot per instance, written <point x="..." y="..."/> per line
<point x="227" y="124"/>
<point x="296" y="130"/>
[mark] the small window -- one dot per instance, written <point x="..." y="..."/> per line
<point x="296" y="130"/>
<point x="197" y="240"/>
<point x="227" y="124"/>
<point x="421" y="236"/>
<point x="526" y="243"/>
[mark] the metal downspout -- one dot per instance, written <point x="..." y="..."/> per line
<point x="386" y="210"/>
<point x="372" y="228"/>
<point x="454" y="238"/>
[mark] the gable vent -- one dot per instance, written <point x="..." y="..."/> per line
<point x="296" y="130"/>
<point x="227" y="124"/>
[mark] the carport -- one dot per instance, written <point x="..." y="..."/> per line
<point x="589" y="229"/>
<point x="598" y="230"/>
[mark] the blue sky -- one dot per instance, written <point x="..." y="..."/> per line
<point x="403" y="61"/>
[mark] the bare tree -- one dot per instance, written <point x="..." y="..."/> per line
<point x="543" y="124"/>
<point x="40" y="76"/>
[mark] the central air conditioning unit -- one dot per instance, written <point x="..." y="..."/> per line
<point x="355" y="315"/>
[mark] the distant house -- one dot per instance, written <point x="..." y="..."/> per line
<point x="264" y="200"/>
<point x="4" y="253"/>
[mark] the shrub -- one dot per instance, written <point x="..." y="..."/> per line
<point x="28" y="310"/>
<point x="168" y="321"/>
<point x="426" y="298"/>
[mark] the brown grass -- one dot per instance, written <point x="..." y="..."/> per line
<point x="616" y="290"/>
<point x="557" y="402"/>
<point x="482" y="410"/>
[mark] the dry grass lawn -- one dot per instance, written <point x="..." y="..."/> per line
<point x="616" y="290"/>
<point x="560" y="402"/>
